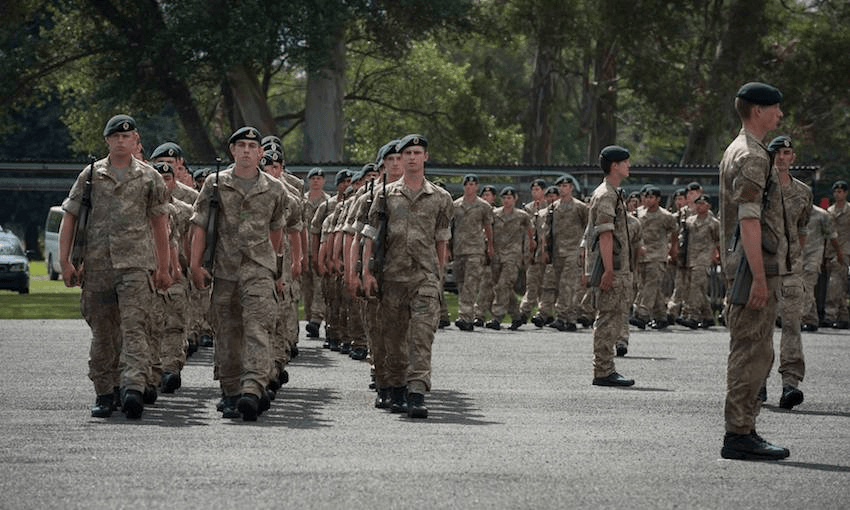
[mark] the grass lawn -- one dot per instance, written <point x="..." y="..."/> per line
<point x="47" y="299"/>
<point x="52" y="300"/>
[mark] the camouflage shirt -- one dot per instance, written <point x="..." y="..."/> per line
<point x="470" y="218"/>
<point x="245" y="220"/>
<point x="657" y="227"/>
<point x="745" y="172"/>
<point x="118" y="232"/>
<point x="569" y="220"/>
<point x="797" y="198"/>
<point x="510" y="233"/>
<point x="703" y="238"/>
<point x="820" y="231"/>
<point x="608" y="214"/>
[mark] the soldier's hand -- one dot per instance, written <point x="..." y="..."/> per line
<point x="71" y="275"/>
<point x="370" y="285"/>
<point x="279" y="286"/>
<point x="296" y="269"/>
<point x="353" y="285"/>
<point x="583" y="280"/>
<point x="305" y="265"/>
<point x="161" y="279"/>
<point x="758" y="294"/>
<point x="200" y="277"/>
<point x="607" y="280"/>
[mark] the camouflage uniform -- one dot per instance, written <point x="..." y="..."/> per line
<point x="820" y="233"/>
<point x="469" y="250"/>
<point x="536" y="269"/>
<point x="569" y="220"/>
<point x="311" y="282"/>
<point x="744" y="172"/>
<point x="244" y="303"/>
<point x="608" y="214"/>
<point x="836" y="300"/>
<point x="797" y="200"/>
<point x="117" y="290"/>
<point x="657" y="227"/>
<point x="317" y="224"/>
<point x="703" y="239"/>
<point x="510" y="235"/>
<point x="411" y="280"/>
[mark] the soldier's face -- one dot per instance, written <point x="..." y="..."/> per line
<point x="246" y="153"/>
<point x="680" y="201"/>
<point x="489" y="197"/>
<point x="414" y="158"/>
<point x="551" y="197"/>
<point x="509" y="201"/>
<point x="702" y="207"/>
<point x="692" y="195"/>
<point x="393" y="166"/>
<point x="122" y="144"/>
<point x="651" y="202"/>
<point x="274" y="170"/>
<point x="170" y="183"/>
<point x="770" y="116"/>
<point x="537" y="193"/>
<point x="784" y="158"/>
<point x="470" y="188"/>
<point x="566" y="189"/>
<point x="839" y="194"/>
<point x="317" y="182"/>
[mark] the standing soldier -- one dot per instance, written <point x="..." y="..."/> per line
<point x="797" y="201"/>
<point x="416" y="232"/>
<point x="536" y="268"/>
<point x="659" y="229"/>
<point x="836" y="314"/>
<point x="820" y="233"/>
<point x="753" y="248"/>
<point x="611" y="265"/>
<point x="472" y="243"/>
<point x="311" y="281"/>
<point x="703" y="251"/>
<point x="566" y="221"/>
<point x="484" y="301"/>
<point x="112" y="255"/>
<point x="249" y="235"/>
<point x="512" y="242"/>
<point x="549" y="285"/>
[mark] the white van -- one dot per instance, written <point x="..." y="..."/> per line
<point x="51" y="242"/>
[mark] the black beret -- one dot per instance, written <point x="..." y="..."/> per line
<point x="163" y="168"/>
<point x="411" y="140"/>
<point x="386" y="150"/>
<point x="614" y="153"/>
<point x="270" y="157"/>
<point x="552" y="190"/>
<point x="635" y="195"/>
<point x="270" y="139"/>
<point x="315" y="172"/>
<point x="369" y="167"/>
<point x="341" y="176"/>
<point x="508" y="190"/>
<point x="652" y="190"/>
<point x="200" y="173"/>
<point x="694" y="186"/>
<point x="119" y="124"/>
<point x="486" y="188"/>
<point x="680" y="192"/>
<point x="167" y="150"/>
<point x="245" y="133"/>
<point x="780" y="142"/>
<point x="540" y="183"/>
<point x="272" y="146"/>
<point x="840" y="184"/>
<point x="470" y="178"/>
<point x="357" y="176"/>
<point x="566" y="178"/>
<point x="702" y="198"/>
<point x="441" y="184"/>
<point x="759" y="93"/>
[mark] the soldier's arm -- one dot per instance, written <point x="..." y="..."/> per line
<point x="162" y="247"/>
<point x="296" y="251"/>
<point x="488" y="234"/>
<point x="199" y="275"/>
<point x="370" y="284"/>
<point x="442" y="253"/>
<point x="70" y="274"/>
<point x="606" y="251"/>
<point x="751" y="241"/>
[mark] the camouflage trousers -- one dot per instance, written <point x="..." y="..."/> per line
<point x="198" y="311"/>
<point x="651" y="303"/>
<point x="311" y="292"/>
<point x="674" y="306"/>
<point x="484" y="302"/>
<point x="172" y="324"/>
<point x="750" y="358"/>
<point x="836" y="293"/>
<point x="533" y="286"/>
<point x="695" y="304"/>
<point x="612" y="316"/>
<point x="468" y="270"/>
<point x="810" y="305"/>
<point x="413" y="307"/>
<point x="568" y="272"/>
<point x="245" y="311"/>
<point x="333" y="327"/>
<point x="792" y="364"/>
<point x="285" y="330"/>
<point x="373" y="322"/>
<point x="505" y="273"/>
<point x="116" y="305"/>
<point x="548" y="291"/>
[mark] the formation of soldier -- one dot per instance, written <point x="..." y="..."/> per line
<point x="170" y="260"/>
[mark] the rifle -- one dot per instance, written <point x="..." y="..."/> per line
<point x="550" y="242"/>
<point x="79" y="246"/>
<point x="379" y="244"/>
<point x="684" y="238"/>
<point x="212" y="223"/>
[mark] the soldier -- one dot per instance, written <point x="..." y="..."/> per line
<point x="753" y="245"/>
<point x="836" y="314"/>
<point x="566" y="221"/>
<point x="611" y="256"/>
<point x="797" y="201"/>
<point x="484" y="301"/>
<point x="251" y="217"/>
<point x="659" y="229"/>
<point x="169" y="324"/>
<point x="512" y="240"/>
<point x="124" y="240"/>
<point x="311" y="282"/>
<point x="703" y="251"/>
<point x="472" y="245"/>
<point x="820" y="233"/>
<point x="534" y="273"/>
<point x="418" y="216"/>
<point x="549" y="285"/>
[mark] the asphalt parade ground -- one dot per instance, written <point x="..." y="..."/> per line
<point x="514" y="423"/>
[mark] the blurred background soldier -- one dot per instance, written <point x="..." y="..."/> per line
<point x="836" y="315"/>
<point x="472" y="244"/>
<point x="512" y="240"/>
<point x="659" y="229"/>
<point x="536" y="267"/>
<point x="311" y="282"/>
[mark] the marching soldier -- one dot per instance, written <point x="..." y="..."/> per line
<point x="659" y="237"/>
<point x="836" y="314"/>
<point x="703" y="251"/>
<point x="472" y="245"/>
<point x="536" y="268"/>
<point x="311" y="281"/>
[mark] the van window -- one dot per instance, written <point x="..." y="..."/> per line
<point x="54" y="219"/>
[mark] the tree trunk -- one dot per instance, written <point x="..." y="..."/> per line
<point x="604" y="121"/>
<point x="539" y="118"/>
<point x="249" y="105"/>
<point x="323" y="118"/>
